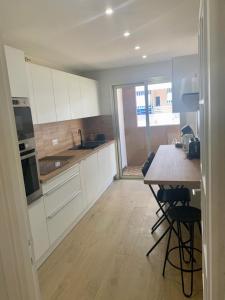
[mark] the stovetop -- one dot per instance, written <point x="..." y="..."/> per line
<point x="51" y="163"/>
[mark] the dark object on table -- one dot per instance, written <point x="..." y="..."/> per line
<point x="194" y="149"/>
<point x="186" y="130"/>
<point x="100" y="137"/>
<point x="178" y="145"/>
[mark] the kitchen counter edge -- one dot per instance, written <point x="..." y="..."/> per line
<point x="79" y="155"/>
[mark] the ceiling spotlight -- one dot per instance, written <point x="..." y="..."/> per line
<point x="109" y="11"/>
<point x="126" y="33"/>
<point x="137" y="47"/>
<point x="144" y="56"/>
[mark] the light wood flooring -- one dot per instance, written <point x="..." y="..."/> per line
<point x="103" y="258"/>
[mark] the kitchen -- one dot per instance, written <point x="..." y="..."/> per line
<point x="68" y="219"/>
<point x="73" y="172"/>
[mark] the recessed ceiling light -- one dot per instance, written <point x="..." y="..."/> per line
<point x="109" y="11"/>
<point x="144" y="56"/>
<point x="137" y="47"/>
<point x="126" y="33"/>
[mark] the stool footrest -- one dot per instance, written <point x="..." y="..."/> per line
<point x="179" y="268"/>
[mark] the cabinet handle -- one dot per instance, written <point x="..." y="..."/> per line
<point x="55" y="188"/>
<point x="54" y="213"/>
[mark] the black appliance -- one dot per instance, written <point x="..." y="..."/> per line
<point x="100" y="137"/>
<point x="30" y="170"/>
<point x="23" y="117"/>
<point x="194" y="149"/>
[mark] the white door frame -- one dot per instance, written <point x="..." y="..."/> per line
<point x="18" y="280"/>
<point x="116" y="122"/>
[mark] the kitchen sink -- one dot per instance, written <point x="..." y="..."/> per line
<point x="88" y="145"/>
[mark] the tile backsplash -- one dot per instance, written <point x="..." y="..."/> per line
<point x="64" y="134"/>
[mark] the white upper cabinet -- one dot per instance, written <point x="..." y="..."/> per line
<point x="89" y="94"/>
<point x="58" y="96"/>
<point x="61" y="95"/>
<point x="15" y="61"/>
<point x="74" y="91"/>
<point x="43" y="93"/>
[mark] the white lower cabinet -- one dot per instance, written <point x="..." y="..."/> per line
<point x="59" y="221"/>
<point x="38" y="225"/>
<point x="104" y="168"/>
<point x="112" y="155"/>
<point x="62" y="199"/>
<point x="67" y="197"/>
<point x="91" y="178"/>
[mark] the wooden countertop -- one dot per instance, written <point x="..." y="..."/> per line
<point x="77" y="156"/>
<point x="170" y="166"/>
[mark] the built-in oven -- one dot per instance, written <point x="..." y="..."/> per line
<point x="30" y="170"/>
<point x="23" y="117"/>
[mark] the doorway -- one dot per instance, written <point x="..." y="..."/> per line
<point x="144" y="120"/>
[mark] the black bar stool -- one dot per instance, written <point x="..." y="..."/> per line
<point x="189" y="216"/>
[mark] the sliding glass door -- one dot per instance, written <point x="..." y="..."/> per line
<point x="144" y="120"/>
<point x="131" y="128"/>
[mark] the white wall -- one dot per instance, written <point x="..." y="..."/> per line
<point x="126" y="75"/>
<point x="123" y="149"/>
<point x="141" y="73"/>
<point x="185" y="68"/>
<point x="215" y="117"/>
<point x="20" y="281"/>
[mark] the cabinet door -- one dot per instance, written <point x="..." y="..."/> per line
<point x="43" y="94"/>
<point x="76" y="104"/>
<point x="61" y="95"/>
<point x="64" y="218"/>
<point x="91" y="178"/>
<point x="15" y="61"/>
<point x="38" y="227"/>
<point x="31" y="94"/>
<point x="113" y="165"/>
<point x="89" y="94"/>
<point x="106" y="167"/>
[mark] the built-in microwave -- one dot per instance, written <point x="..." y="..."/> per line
<point x="23" y="117"/>
<point x="30" y="170"/>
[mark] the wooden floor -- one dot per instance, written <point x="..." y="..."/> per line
<point x="103" y="258"/>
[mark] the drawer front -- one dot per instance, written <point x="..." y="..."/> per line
<point x="58" y="223"/>
<point x="38" y="227"/>
<point x="60" y="179"/>
<point x="57" y="197"/>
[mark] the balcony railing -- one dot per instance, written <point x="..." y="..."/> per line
<point x="141" y="110"/>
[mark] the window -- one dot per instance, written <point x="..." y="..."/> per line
<point x="160" y="108"/>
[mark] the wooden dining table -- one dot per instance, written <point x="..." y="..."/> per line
<point x="171" y="166"/>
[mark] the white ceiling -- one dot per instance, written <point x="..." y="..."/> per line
<point x="77" y="35"/>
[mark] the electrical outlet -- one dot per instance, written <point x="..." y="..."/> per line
<point x="55" y="142"/>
